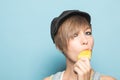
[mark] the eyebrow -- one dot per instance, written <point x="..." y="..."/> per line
<point x="87" y="27"/>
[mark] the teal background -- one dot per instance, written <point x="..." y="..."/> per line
<point x="26" y="48"/>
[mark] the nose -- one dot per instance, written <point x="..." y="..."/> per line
<point x="84" y="40"/>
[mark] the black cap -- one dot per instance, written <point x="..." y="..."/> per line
<point x="57" y="21"/>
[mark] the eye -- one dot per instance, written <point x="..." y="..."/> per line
<point x="88" y="33"/>
<point x="75" y="35"/>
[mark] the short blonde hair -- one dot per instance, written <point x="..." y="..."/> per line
<point x="67" y="29"/>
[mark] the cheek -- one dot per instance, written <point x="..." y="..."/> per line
<point x="92" y="42"/>
<point x="73" y="46"/>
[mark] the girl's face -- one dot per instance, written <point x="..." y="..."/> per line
<point x="81" y="41"/>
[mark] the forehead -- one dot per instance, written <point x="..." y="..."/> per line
<point x="75" y="27"/>
<point x="82" y="26"/>
<point x="77" y="22"/>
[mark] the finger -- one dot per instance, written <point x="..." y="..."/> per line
<point x="85" y="66"/>
<point x="86" y="70"/>
<point x="86" y="60"/>
<point x="82" y="66"/>
<point x="80" y="73"/>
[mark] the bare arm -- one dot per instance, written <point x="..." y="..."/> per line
<point x="107" y="78"/>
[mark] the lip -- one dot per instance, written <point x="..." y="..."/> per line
<point x="86" y="49"/>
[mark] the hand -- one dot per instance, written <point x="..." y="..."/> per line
<point x="83" y="69"/>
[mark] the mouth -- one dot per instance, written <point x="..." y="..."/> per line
<point x="86" y="49"/>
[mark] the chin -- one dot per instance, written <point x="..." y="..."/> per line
<point x="74" y="61"/>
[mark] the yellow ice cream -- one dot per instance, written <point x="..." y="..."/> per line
<point x="85" y="53"/>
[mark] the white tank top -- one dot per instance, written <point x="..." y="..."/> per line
<point x="59" y="76"/>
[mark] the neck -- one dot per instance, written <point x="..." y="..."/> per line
<point x="69" y="73"/>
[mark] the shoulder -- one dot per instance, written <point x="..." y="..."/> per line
<point x="55" y="76"/>
<point x="103" y="77"/>
<point x="47" y="78"/>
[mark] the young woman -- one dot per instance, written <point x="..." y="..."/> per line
<point x="72" y="33"/>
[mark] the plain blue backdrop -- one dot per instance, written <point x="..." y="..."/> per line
<point x="27" y="51"/>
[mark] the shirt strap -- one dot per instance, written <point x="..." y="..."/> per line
<point x="56" y="76"/>
<point x="96" y="76"/>
<point x="51" y="77"/>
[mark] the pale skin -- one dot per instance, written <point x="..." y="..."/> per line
<point x="80" y="69"/>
